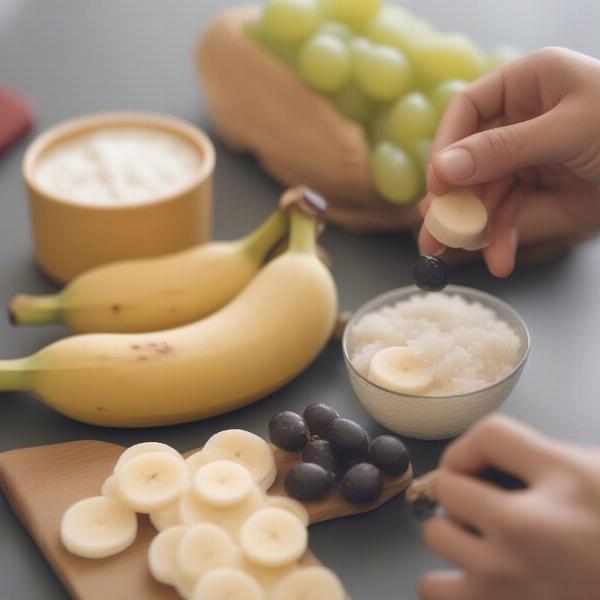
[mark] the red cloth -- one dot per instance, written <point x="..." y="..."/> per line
<point x="16" y="116"/>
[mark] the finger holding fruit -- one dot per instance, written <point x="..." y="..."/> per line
<point x="505" y="540"/>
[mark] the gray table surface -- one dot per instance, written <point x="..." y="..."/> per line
<point x="75" y="57"/>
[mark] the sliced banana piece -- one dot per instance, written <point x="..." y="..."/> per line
<point x="245" y="448"/>
<point x="267" y="577"/>
<point x="291" y="505"/>
<point x="457" y="219"/>
<point x="163" y="518"/>
<point x="98" y="527"/>
<point x="143" y="448"/>
<point x="267" y="483"/>
<point x="162" y="554"/>
<point x="185" y="585"/>
<point x="227" y="584"/>
<point x="109" y="488"/>
<point x="151" y="481"/>
<point x="223" y="483"/>
<point x="399" y="369"/>
<point x="205" y="547"/>
<point x="310" y="583"/>
<point x="192" y="510"/>
<point x="273" y="537"/>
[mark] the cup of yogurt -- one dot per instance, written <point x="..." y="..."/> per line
<point x="428" y="365"/>
<point x="116" y="186"/>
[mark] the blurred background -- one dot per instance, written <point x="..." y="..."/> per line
<point x="73" y="57"/>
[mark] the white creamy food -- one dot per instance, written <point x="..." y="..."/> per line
<point x="466" y="345"/>
<point x="118" y="165"/>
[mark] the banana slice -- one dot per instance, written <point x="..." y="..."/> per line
<point x="267" y="483"/>
<point x="109" y="488"/>
<point x="273" y="537"/>
<point x="205" y="547"/>
<point x="398" y="369"/>
<point x="185" y="585"/>
<point x="291" y="505"/>
<point x="457" y="219"/>
<point x="245" y="448"/>
<point x="228" y="584"/>
<point x="267" y="577"/>
<point x="98" y="527"/>
<point x="310" y="583"/>
<point x="164" y="518"/>
<point x="192" y="510"/>
<point x="143" y="448"/>
<point x="223" y="483"/>
<point x="151" y="481"/>
<point x="162" y="554"/>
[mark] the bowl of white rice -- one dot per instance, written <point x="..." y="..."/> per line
<point x="472" y="345"/>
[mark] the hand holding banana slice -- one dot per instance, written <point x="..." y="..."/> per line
<point x="234" y="543"/>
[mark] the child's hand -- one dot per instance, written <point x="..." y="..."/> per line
<point x="529" y="130"/>
<point x="542" y="543"/>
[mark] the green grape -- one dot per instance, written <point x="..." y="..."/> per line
<point x="355" y="104"/>
<point x="419" y="150"/>
<point x="286" y="52"/>
<point x="444" y="93"/>
<point x="379" y="130"/>
<point x="291" y="20"/>
<point x="382" y="72"/>
<point x="449" y="56"/>
<point x="325" y="62"/>
<point x="395" y="26"/>
<point x="500" y="55"/>
<point x="395" y="174"/>
<point x="412" y="117"/>
<point x="357" y="13"/>
<point x="338" y="29"/>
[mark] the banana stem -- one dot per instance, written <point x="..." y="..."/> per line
<point x="14" y="374"/>
<point x="262" y="240"/>
<point x="34" y="309"/>
<point x="303" y="233"/>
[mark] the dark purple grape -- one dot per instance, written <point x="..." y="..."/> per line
<point x="308" y="482"/>
<point x="321" y="453"/>
<point x="288" y="432"/>
<point x="318" y="418"/>
<point x="362" y="484"/>
<point x="430" y="274"/>
<point x="348" y="439"/>
<point x="389" y="454"/>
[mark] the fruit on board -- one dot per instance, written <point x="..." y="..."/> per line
<point x="242" y="550"/>
<point x="157" y="293"/>
<point x="288" y="431"/>
<point x="457" y="219"/>
<point x="389" y="453"/>
<point x="308" y="482"/>
<point x="291" y="20"/>
<point x="318" y="418"/>
<point x="98" y="527"/>
<point x="398" y="368"/>
<point x="215" y="365"/>
<point x="349" y="439"/>
<point x="321" y="453"/>
<point x="310" y="582"/>
<point x="399" y="60"/>
<point x="273" y="537"/>
<point x="362" y="483"/>
<point x="430" y="274"/>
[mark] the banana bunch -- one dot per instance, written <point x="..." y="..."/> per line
<point x="250" y="347"/>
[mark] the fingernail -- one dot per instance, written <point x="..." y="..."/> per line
<point x="457" y="164"/>
<point x="514" y="239"/>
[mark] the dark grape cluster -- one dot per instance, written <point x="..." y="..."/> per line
<point x="335" y="451"/>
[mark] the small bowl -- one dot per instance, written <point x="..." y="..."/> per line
<point x="434" y="417"/>
<point x="70" y="237"/>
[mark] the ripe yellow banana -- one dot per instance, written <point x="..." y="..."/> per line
<point x="269" y="333"/>
<point x="159" y="293"/>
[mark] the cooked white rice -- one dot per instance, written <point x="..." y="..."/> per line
<point x="466" y="344"/>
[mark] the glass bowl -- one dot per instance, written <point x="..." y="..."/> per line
<point x="434" y="417"/>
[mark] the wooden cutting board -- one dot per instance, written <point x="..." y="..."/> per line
<point x="41" y="483"/>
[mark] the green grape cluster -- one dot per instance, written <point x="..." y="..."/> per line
<point x="385" y="68"/>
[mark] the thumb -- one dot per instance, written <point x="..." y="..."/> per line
<point x="491" y="154"/>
